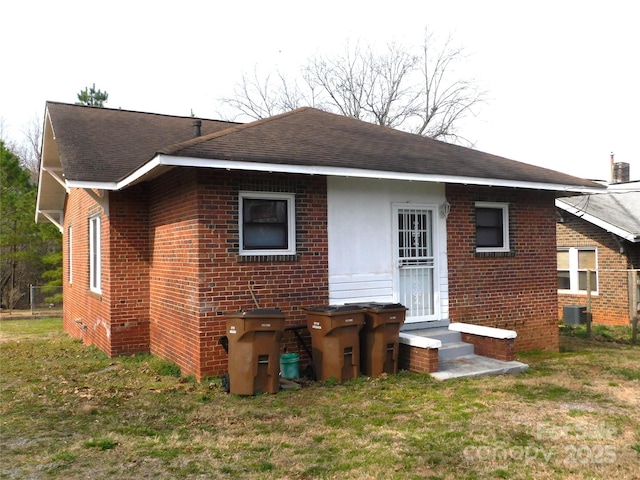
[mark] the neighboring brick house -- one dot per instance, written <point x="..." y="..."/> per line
<point x="169" y="223"/>
<point x="599" y="232"/>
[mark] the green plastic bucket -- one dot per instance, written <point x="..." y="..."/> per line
<point x="290" y="365"/>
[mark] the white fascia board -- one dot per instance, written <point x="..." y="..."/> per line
<point x="632" y="237"/>
<point x="633" y="186"/>
<point x="163" y="160"/>
<point x="142" y="171"/>
<point x="92" y="185"/>
<point x="169" y="160"/>
<point x="38" y="194"/>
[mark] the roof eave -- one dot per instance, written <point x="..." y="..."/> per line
<point x="599" y="222"/>
<point x="52" y="188"/>
<point x="162" y="161"/>
<point x="90" y="185"/>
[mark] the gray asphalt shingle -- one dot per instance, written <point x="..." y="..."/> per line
<point x="105" y="145"/>
<point x="617" y="208"/>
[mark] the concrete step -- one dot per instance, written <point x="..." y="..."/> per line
<point x="450" y="351"/>
<point x="424" y="325"/>
<point x="443" y="334"/>
<point x="474" y="365"/>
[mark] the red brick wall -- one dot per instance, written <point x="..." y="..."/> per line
<point x="197" y="275"/>
<point x="415" y="359"/>
<point x="498" y="348"/>
<point x="517" y="290"/>
<point x="86" y="315"/>
<point x="115" y="321"/>
<point x="174" y="238"/>
<point x="129" y="270"/>
<point x="611" y="304"/>
<point x="171" y="271"/>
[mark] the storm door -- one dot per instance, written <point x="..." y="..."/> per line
<point x="416" y="262"/>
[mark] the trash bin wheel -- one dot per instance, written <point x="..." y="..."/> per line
<point x="310" y="372"/>
<point x="226" y="385"/>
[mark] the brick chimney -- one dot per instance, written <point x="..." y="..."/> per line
<point x="621" y="172"/>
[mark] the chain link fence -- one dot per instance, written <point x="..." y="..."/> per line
<point x="45" y="299"/>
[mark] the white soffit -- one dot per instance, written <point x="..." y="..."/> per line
<point x="162" y="163"/>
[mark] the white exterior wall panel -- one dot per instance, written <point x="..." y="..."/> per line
<point x="362" y="238"/>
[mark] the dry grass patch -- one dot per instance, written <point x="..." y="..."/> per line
<point x="69" y="412"/>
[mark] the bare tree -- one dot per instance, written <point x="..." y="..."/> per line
<point x="444" y="100"/>
<point x="412" y="90"/>
<point x="4" y="134"/>
<point x="257" y="97"/>
<point x="346" y="81"/>
<point x="30" y="150"/>
<point x="379" y="88"/>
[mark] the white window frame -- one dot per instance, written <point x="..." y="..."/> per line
<point x="290" y="198"/>
<point x="574" y="271"/>
<point x="504" y="207"/>
<point x="95" y="254"/>
<point x="70" y="253"/>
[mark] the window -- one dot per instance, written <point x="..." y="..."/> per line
<point x="267" y="223"/>
<point x="492" y="227"/>
<point x="573" y="267"/>
<point x="70" y="254"/>
<point x="95" y="255"/>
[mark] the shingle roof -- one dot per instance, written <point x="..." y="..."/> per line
<point x="308" y="136"/>
<point x="105" y="145"/>
<point x="617" y="211"/>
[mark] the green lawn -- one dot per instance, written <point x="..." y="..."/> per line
<point x="70" y="412"/>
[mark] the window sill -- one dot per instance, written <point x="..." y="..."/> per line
<point x="581" y="293"/>
<point x="267" y="258"/>
<point x="494" y="253"/>
<point x="94" y="294"/>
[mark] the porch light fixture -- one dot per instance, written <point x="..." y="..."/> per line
<point x="445" y="208"/>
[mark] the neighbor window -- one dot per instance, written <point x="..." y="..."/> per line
<point x="492" y="227"/>
<point x="267" y="223"/>
<point x="95" y="255"/>
<point x="574" y="265"/>
<point x="70" y="253"/>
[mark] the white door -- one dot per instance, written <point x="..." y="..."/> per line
<point x="415" y="276"/>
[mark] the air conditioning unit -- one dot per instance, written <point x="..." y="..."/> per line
<point x="574" y="314"/>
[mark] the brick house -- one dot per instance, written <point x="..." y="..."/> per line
<point x="169" y="223"/>
<point x="599" y="232"/>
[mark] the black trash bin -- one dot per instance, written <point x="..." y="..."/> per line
<point x="254" y="351"/>
<point x="335" y="341"/>
<point x="379" y="338"/>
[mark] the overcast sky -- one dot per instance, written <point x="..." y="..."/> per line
<point x="562" y="77"/>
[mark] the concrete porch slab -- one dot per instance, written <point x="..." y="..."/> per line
<point x="475" y="366"/>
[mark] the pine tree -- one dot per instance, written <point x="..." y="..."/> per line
<point x="92" y="97"/>
<point x="24" y="244"/>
